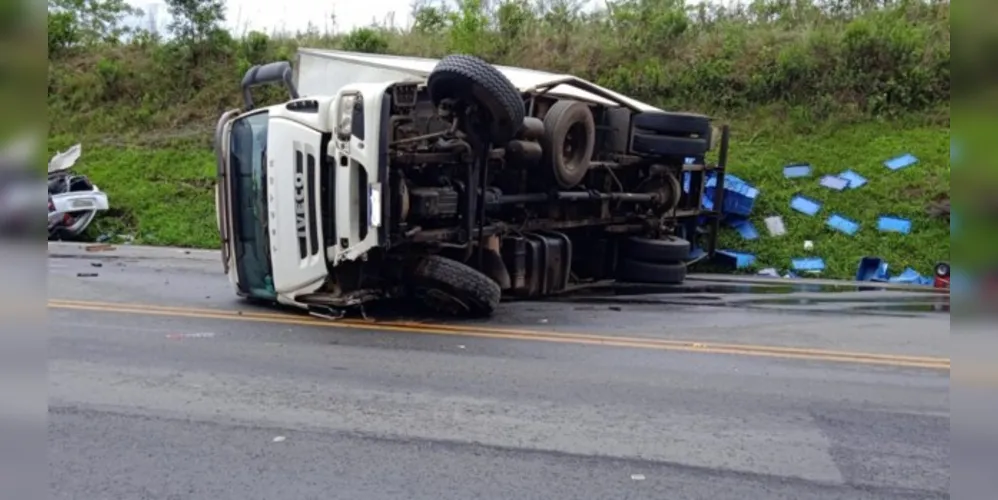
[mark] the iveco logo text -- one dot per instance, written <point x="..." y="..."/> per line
<point x="300" y="203"/>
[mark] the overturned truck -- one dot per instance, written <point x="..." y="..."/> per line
<point x="453" y="181"/>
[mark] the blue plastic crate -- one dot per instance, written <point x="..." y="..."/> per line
<point x="739" y="196"/>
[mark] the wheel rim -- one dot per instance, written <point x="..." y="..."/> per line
<point x="573" y="148"/>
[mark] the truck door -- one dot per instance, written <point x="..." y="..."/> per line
<point x="294" y="159"/>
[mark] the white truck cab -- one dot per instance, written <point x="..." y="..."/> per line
<point x="383" y="176"/>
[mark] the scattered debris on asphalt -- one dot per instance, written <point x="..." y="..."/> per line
<point x="86" y="275"/>
<point x="101" y="247"/>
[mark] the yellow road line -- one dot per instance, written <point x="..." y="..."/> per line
<point x="515" y="334"/>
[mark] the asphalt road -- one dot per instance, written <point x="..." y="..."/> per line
<point x="163" y="386"/>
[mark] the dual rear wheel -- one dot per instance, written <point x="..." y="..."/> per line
<point x="661" y="261"/>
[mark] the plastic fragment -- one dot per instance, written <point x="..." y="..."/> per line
<point x="855" y="180"/>
<point x="842" y="224"/>
<point x="775" y="226"/>
<point x="808" y="245"/>
<point x="808" y="264"/>
<point x="911" y="276"/>
<point x="797" y="170"/>
<point x="805" y="205"/>
<point x="834" y="182"/>
<point x="890" y="224"/>
<point x="903" y="161"/>
<point x="746" y="229"/>
<point x="770" y="272"/>
<point x="738" y="260"/>
<point x="872" y="269"/>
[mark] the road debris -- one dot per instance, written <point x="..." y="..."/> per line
<point x="797" y="171"/>
<point x="808" y="264"/>
<point x="842" y="224"/>
<point x="805" y="205"/>
<point x="637" y="477"/>
<point x="899" y="162"/>
<point x="86" y="275"/>
<point x="100" y="247"/>
<point x="279" y="439"/>
<point x="890" y="224"/>
<point x="196" y="335"/>
<point x="775" y="226"/>
<point x="855" y="180"/>
<point x="834" y="182"/>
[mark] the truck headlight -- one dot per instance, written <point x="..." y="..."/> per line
<point x="344" y="121"/>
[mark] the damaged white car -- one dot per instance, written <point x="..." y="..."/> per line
<point x="74" y="201"/>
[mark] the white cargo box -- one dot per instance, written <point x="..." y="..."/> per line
<point x="324" y="72"/>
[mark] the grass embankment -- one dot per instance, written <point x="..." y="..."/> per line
<point x="838" y="91"/>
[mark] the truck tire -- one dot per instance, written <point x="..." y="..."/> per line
<point x="681" y="124"/>
<point x="669" y="250"/>
<point x="663" y="145"/>
<point x="568" y="141"/>
<point x="469" y="78"/>
<point x="452" y="287"/>
<point x="634" y="271"/>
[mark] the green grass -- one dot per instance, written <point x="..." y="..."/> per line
<point x="862" y="148"/>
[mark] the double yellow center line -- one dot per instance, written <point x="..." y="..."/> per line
<point x="514" y="334"/>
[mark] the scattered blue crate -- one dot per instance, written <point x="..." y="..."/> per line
<point x="805" y="205"/>
<point x="745" y="228"/>
<point x="797" y="170"/>
<point x="872" y="269"/>
<point x="737" y="260"/>
<point x="842" y="224"/>
<point x="890" y="224"/>
<point x="912" y="277"/>
<point x="808" y="264"/>
<point x="903" y="161"/>
<point x="739" y="196"/>
<point x="855" y="180"/>
<point x="834" y="182"/>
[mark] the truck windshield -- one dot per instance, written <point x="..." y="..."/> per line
<point x="248" y="172"/>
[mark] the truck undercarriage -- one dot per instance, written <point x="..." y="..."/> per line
<point x="489" y="190"/>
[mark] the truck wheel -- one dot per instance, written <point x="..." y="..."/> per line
<point x="568" y="141"/>
<point x="452" y="287"/>
<point x="682" y="124"/>
<point x="469" y="78"/>
<point x="663" y="145"/>
<point x="667" y="250"/>
<point x="634" y="271"/>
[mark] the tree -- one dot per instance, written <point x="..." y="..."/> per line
<point x="92" y="21"/>
<point x="194" y="21"/>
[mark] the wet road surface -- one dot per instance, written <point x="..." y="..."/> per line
<point x="163" y="385"/>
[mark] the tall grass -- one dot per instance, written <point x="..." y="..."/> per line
<point x="812" y="61"/>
